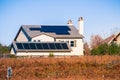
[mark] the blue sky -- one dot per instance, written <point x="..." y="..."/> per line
<point x="100" y="16"/>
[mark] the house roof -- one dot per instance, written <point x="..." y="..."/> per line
<point x="108" y="39"/>
<point x="111" y="38"/>
<point x="56" y="31"/>
<point x="41" y="46"/>
<point x="115" y="37"/>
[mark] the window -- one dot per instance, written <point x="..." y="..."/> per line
<point x="34" y="40"/>
<point x="38" y="40"/>
<point x="73" y="43"/>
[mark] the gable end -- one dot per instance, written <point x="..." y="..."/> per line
<point x="22" y="31"/>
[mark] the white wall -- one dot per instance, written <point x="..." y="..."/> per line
<point x="12" y="51"/>
<point x="78" y="50"/>
<point x="21" y="37"/>
<point x="43" y="54"/>
<point x="118" y="40"/>
<point x="43" y="38"/>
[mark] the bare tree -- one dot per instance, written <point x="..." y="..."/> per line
<point x="96" y="40"/>
<point x="86" y="49"/>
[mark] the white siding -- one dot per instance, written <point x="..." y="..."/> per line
<point x="78" y="49"/>
<point x="21" y="37"/>
<point x="43" y="38"/>
<point x="12" y="51"/>
<point x="118" y="40"/>
<point x="43" y="53"/>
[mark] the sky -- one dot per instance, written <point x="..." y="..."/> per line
<point x="100" y="16"/>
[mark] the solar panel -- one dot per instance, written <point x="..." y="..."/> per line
<point x="39" y="46"/>
<point x="45" y="46"/>
<point x="59" y="30"/>
<point x="26" y="45"/>
<point x="64" y="46"/>
<point x="34" y="29"/>
<point x="19" y="46"/>
<point x="32" y="46"/>
<point x="52" y="46"/>
<point x="42" y="46"/>
<point x="58" y="46"/>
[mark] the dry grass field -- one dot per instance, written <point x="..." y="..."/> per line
<point x="66" y="68"/>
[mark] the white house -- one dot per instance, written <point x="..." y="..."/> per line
<point x="115" y="38"/>
<point x="42" y="40"/>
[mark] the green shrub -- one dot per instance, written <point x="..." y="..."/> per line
<point x="13" y="56"/>
<point x="51" y="55"/>
<point x="4" y="49"/>
<point x="100" y="50"/>
<point x="103" y="49"/>
<point x="114" y="49"/>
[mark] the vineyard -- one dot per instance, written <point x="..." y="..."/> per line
<point x="66" y="68"/>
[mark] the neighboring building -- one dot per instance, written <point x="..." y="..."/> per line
<point x="43" y="40"/>
<point x="113" y="39"/>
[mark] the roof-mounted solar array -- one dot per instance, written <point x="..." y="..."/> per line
<point x="42" y="46"/>
<point x="59" y="30"/>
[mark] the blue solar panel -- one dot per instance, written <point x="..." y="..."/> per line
<point x="58" y="46"/>
<point x="64" y="46"/>
<point x="34" y="29"/>
<point x="42" y="46"/>
<point x="26" y="45"/>
<point x="32" y="46"/>
<point x="52" y="46"/>
<point x="19" y="46"/>
<point x="39" y="46"/>
<point x="59" y="30"/>
<point x="45" y="46"/>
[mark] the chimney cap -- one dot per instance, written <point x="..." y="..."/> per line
<point x="81" y="18"/>
<point x="70" y="22"/>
